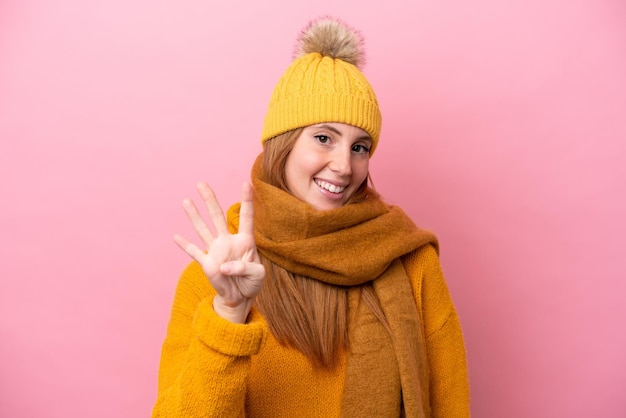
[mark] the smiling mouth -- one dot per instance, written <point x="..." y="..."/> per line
<point x="330" y="187"/>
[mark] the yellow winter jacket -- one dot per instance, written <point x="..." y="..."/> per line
<point x="213" y="368"/>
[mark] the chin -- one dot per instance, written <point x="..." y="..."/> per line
<point x="328" y="206"/>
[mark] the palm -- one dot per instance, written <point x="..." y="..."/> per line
<point x="224" y="248"/>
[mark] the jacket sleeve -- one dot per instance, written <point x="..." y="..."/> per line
<point x="205" y="359"/>
<point x="449" y="384"/>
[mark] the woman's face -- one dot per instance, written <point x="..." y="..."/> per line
<point x="327" y="164"/>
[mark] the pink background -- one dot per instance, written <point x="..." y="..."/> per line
<point x="504" y="131"/>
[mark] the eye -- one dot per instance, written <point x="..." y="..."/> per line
<point x="360" y="148"/>
<point x="322" y="139"/>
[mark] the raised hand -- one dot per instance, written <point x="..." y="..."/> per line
<point x="231" y="262"/>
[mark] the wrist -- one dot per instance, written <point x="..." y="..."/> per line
<point x="237" y="314"/>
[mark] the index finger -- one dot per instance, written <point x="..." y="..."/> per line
<point x="246" y="212"/>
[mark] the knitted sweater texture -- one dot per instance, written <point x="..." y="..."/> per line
<point x="213" y="368"/>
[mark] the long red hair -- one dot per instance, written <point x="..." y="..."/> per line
<point x="312" y="316"/>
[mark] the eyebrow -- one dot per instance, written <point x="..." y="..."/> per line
<point x="335" y="130"/>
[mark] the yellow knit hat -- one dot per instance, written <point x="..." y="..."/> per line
<point x="324" y="84"/>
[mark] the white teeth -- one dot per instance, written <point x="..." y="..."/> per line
<point x="330" y="187"/>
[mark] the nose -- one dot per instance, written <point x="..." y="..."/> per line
<point x="341" y="162"/>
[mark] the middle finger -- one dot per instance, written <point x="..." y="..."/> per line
<point x="215" y="210"/>
<point x="198" y="223"/>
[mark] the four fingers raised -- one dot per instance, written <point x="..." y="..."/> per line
<point x="246" y="218"/>
<point x="232" y="262"/>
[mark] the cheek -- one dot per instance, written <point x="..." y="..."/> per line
<point x="306" y="165"/>
<point x="360" y="170"/>
<point x="298" y="168"/>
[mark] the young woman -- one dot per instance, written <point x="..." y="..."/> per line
<point x="313" y="298"/>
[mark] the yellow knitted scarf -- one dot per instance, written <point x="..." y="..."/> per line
<point x="350" y="246"/>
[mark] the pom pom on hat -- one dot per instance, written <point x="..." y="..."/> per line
<point x="333" y="38"/>
<point x="324" y="84"/>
